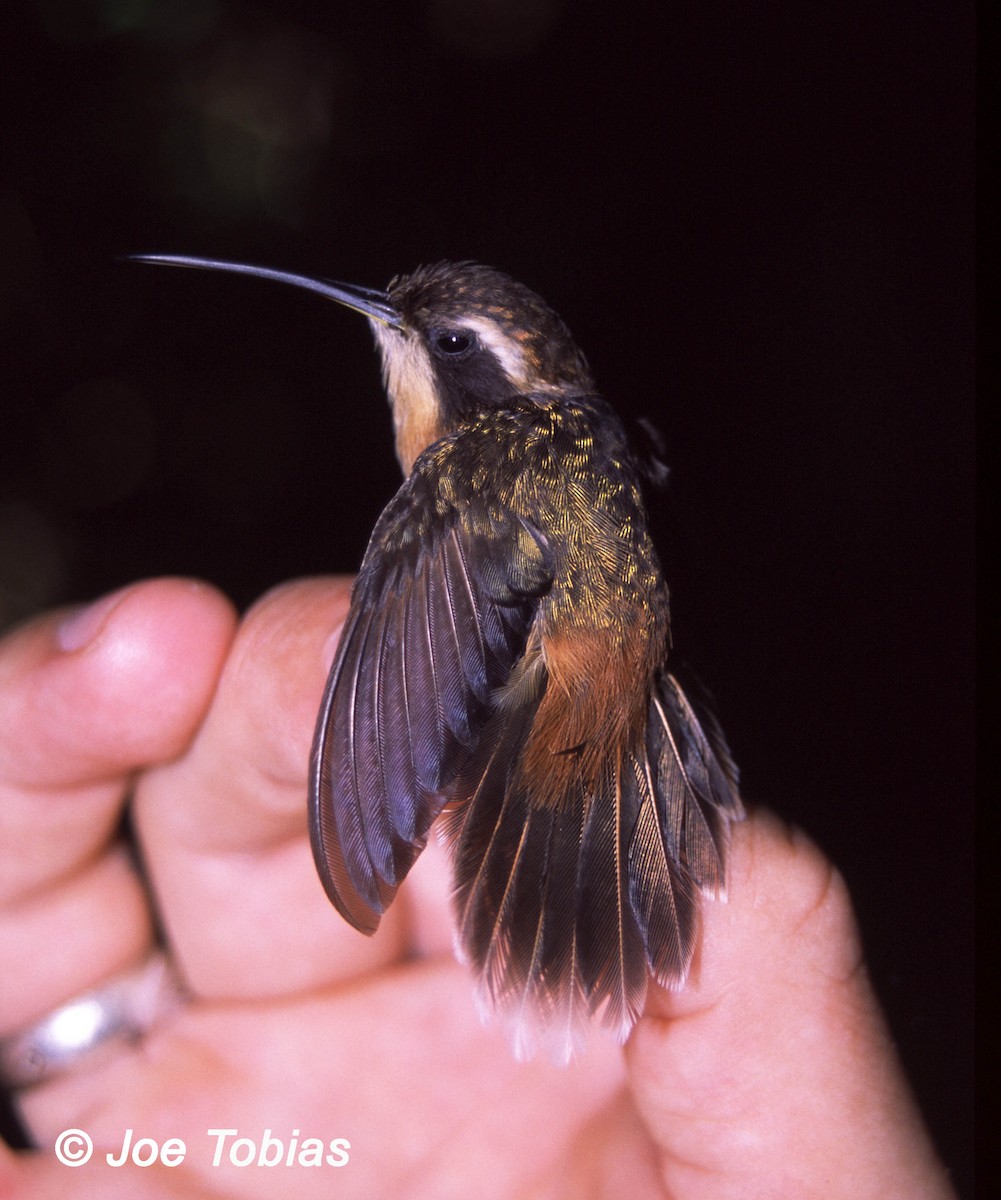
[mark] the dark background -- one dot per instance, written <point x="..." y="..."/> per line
<point x="756" y="218"/>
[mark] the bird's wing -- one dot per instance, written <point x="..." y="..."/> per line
<point x="439" y="615"/>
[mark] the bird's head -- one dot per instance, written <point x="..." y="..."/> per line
<point x="467" y="338"/>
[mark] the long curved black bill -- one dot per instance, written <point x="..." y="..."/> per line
<point x="370" y="302"/>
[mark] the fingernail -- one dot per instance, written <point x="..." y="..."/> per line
<point x="85" y="623"/>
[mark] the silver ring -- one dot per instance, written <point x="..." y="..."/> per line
<point x="87" y="1028"/>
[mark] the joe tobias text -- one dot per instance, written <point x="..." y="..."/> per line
<point x="228" y="1146"/>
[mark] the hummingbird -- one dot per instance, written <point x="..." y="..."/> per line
<point x="503" y="672"/>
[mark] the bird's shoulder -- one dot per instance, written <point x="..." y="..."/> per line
<point x="571" y="448"/>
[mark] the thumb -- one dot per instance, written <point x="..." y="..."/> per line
<point x="772" y="1073"/>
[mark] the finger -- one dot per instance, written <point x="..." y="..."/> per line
<point x="774" y="1063"/>
<point x="88" y="698"/>
<point x="224" y="829"/>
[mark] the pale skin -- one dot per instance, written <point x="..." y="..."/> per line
<point x="771" y="1075"/>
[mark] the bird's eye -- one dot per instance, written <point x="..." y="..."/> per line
<point x="452" y="343"/>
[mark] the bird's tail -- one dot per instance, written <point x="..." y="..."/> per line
<point x="568" y="899"/>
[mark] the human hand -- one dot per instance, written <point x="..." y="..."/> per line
<point x="770" y="1075"/>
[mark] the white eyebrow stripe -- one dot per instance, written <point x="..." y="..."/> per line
<point x="506" y="350"/>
